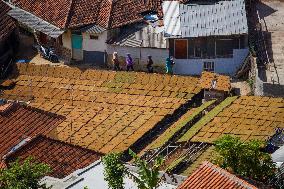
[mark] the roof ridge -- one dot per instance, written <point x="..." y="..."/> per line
<point x="68" y="18"/>
<point x="41" y="136"/>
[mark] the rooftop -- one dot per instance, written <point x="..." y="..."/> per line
<point x="211" y="176"/>
<point x="19" y="123"/>
<point x="7" y="25"/>
<point x="63" y="158"/>
<point x="77" y="13"/>
<point x="105" y="111"/>
<point x="94" y="174"/>
<point x="214" y="18"/>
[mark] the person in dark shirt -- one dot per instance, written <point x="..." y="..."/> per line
<point x="129" y="62"/>
<point x="150" y="64"/>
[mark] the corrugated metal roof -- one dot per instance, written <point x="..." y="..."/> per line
<point x="141" y="35"/>
<point x="93" y="29"/>
<point x="220" y="18"/>
<point x="171" y="18"/>
<point x="35" y="22"/>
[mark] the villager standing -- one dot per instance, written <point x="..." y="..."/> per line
<point x="150" y="64"/>
<point x="115" y="61"/>
<point x="169" y="65"/>
<point x="129" y="62"/>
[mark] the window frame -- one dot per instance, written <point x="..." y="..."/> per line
<point x="186" y="48"/>
<point x="210" y="68"/>
<point x="94" y="37"/>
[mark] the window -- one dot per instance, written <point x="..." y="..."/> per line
<point x="94" y="37"/>
<point x="208" y="66"/>
<point x="224" y="47"/>
<point x="181" y="48"/>
<point x="201" y="48"/>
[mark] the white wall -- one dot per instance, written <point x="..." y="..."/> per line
<point x="222" y="65"/>
<point x="158" y="55"/>
<point x="95" y="44"/>
<point x="66" y="39"/>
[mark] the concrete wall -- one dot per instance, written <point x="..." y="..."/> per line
<point x="95" y="44"/>
<point x="222" y="65"/>
<point x="66" y="39"/>
<point x="140" y="56"/>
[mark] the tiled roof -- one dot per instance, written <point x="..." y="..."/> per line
<point x="110" y="111"/>
<point x="209" y="176"/>
<point x="20" y="122"/>
<point x="128" y="11"/>
<point x="7" y="25"/>
<point x="215" y="81"/>
<point x="63" y="158"/>
<point x="76" y="13"/>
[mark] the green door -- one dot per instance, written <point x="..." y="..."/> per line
<point x="77" y="41"/>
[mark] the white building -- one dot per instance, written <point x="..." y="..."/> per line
<point x="206" y="36"/>
<point x="93" y="178"/>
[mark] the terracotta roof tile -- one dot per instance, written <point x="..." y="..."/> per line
<point x="222" y="82"/>
<point x="209" y="176"/>
<point x="20" y="122"/>
<point x="63" y="158"/>
<point x="7" y="25"/>
<point x="76" y="13"/>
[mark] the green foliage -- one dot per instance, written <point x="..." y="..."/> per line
<point x="24" y="175"/>
<point x="205" y="119"/>
<point x="250" y="82"/>
<point x="244" y="158"/>
<point x="148" y="177"/>
<point x="114" y="170"/>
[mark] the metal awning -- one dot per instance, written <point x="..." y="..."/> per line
<point x="35" y="22"/>
<point x="93" y="29"/>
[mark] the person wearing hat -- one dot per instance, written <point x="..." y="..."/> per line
<point x="129" y="62"/>
<point x="150" y="64"/>
<point x="115" y="61"/>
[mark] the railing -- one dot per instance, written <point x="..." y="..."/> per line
<point x="262" y="48"/>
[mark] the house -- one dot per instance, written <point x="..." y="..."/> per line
<point x="209" y="176"/>
<point x="61" y="157"/>
<point x="79" y="29"/>
<point x="140" y="40"/>
<point x="92" y="177"/>
<point x="215" y="86"/>
<point x="8" y="38"/>
<point x="20" y="123"/>
<point x="206" y="35"/>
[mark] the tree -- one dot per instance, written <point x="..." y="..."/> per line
<point x="114" y="170"/>
<point x="244" y="158"/>
<point x="24" y="175"/>
<point x="148" y="176"/>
